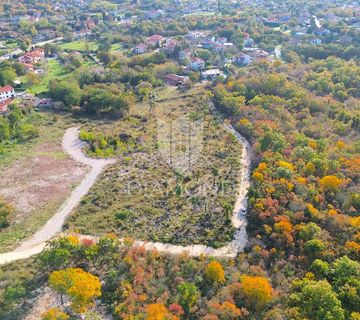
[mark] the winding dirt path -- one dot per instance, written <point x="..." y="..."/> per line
<point x="73" y="146"/>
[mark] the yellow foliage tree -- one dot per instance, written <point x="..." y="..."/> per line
<point x="256" y="291"/>
<point x="82" y="287"/>
<point x="214" y="272"/>
<point x="331" y="183"/>
<point x="54" y="314"/>
<point x="285" y="164"/>
<point x="258" y="176"/>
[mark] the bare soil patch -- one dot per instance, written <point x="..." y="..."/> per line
<point x="47" y="175"/>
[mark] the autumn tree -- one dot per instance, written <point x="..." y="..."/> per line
<point x="54" y="314"/>
<point x="158" y="311"/>
<point x="331" y="183"/>
<point x="82" y="287"/>
<point x="214" y="272"/>
<point x="256" y="291"/>
<point x="225" y="311"/>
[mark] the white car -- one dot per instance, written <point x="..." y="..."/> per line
<point x="243" y="212"/>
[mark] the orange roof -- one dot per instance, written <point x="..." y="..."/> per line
<point x="6" y="89"/>
<point x="4" y="105"/>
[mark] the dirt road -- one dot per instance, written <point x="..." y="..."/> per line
<point x="72" y="145"/>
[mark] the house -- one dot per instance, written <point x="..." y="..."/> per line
<point x="208" y="43"/>
<point x="184" y="54"/>
<point x="196" y="64"/>
<point x="242" y="59"/>
<point x="155" y="40"/>
<point x="248" y="42"/>
<point x="272" y="22"/>
<point x="261" y="53"/>
<point x="140" y="48"/>
<point x="171" y="45"/>
<point x="194" y="36"/>
<point x="28" y="66"/>
<point x="211" y="74"/>
<point x="175" y="80"/>
<point x="44" y="103"/>
<point x="315" y="41"/>
<point x="4" y="105"/>
<point x="32" y="57"/>
<point x="222" y="40"/>
<point x="154" y="14"/>
<point x="322" y="31"/>
<point x="7" y="92"/>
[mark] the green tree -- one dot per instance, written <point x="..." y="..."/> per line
<point x="66" y="91"/>
<point x="13" y="293"/>
<point x="188" y="295"/>
<point x="317" y="301"/>
<point x="7" y="77"/>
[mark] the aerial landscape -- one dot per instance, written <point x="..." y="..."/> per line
<point x="180" y="160"/>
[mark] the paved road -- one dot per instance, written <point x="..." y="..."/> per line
<point x="72" y="146"/>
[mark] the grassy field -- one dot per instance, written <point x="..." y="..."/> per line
<point x="152" y="194"/>
<point x="53" y="69"/>
<point x="79" y="45"/>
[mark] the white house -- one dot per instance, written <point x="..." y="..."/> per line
<point x="211" y="74"/>
<point x="32" y="56"/>
<point x="196" y="64"/>
<point x="6" y="93"/>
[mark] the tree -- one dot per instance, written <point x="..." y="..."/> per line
<point x="66" y="91"/>
<point x="256" y="291"/>
<point x="82" y="287"/>
<point x="309" y="231"/>
<point x="331" y="183"/>
<point x="13" y="293"/>
<point x="4" y="129"/>
<point x="320" y="268"/>
<point x="272" y="140"/>
<point x="314" y="247"/>
<point x="225" y="311"/>
<point x="317" y="301"/>
<point x="214" y="272"/>
<point x="6" y="211"/>
<point x="104" y="57"/>
<point x="188" y="295"/>
<point x="54" y="314"/>
<point x="7" y="77"/>
<point x="157" y="311"/>
<point x="54" y="258"/>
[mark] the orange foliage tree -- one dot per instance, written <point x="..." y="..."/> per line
<point x="157" y="311"/>
<point x="256" y="291"/>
